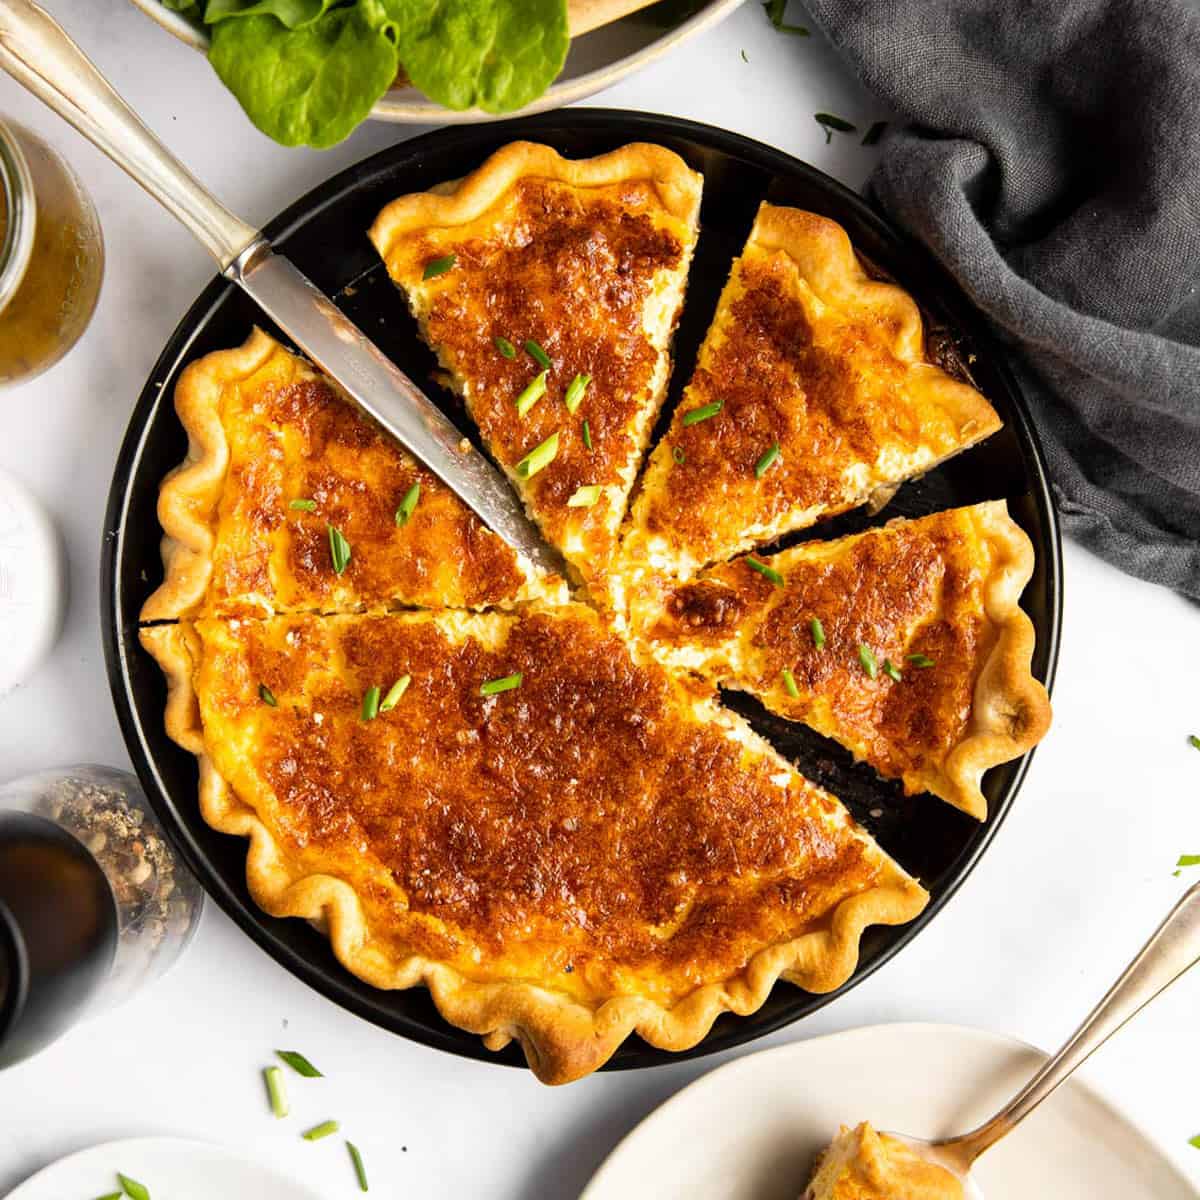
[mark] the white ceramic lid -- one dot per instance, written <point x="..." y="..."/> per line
<point x="33" y="583"/>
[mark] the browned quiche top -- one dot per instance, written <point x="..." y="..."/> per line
<point x="586" y="261"/>
<point x="279" y="457"/>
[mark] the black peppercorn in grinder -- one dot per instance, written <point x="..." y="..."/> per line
<point x="58" y="933"/>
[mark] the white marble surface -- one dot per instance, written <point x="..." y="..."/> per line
<point x="1078" y="876"/>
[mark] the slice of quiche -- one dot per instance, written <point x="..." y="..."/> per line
<point x="549" y="289"/>
<point x="290" y="499"/>
<point x="861" y="1164"/>
<point x="812" y="394"/>
<point x="906" y="644"/>
<point x="563" y="843"/>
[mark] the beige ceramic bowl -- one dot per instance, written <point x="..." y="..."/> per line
<point x="597" y="60"/>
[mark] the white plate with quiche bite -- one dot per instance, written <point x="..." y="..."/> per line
<point x="755" y="1129"/>
<point x="751" y="742"/>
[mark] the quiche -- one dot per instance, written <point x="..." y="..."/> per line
<point x="536" y="806"/>
<point x="286" y="481"/>
<point x="549" y="289"/>
<point x="564" y="843"/>
<point x="905" y="643"/>
<point x="861" y="1164"/>
<point x="812" y="394"/>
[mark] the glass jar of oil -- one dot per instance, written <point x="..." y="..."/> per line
<point x="51" y="256"/>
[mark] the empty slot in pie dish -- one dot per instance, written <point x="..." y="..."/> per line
<point x="524" y="793"/>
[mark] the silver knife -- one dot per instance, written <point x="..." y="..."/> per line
<point x="36" y="51"/>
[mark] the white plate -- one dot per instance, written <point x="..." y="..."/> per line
<point x="750" y="1129"/>
<point x="596" y="60"/>
<point x="171" y="1168"/>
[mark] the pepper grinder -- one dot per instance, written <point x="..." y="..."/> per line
<point x="94" y="903"/>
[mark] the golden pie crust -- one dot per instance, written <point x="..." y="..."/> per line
<point x="603" y="849"/>
<point x="942" y="590"/>
<point x="586" y="258"/>
<point x="861" y="1164"/>
<point x="265" y="431"/>
<point x="808" y="353"/>
<point x="599" y="851"/>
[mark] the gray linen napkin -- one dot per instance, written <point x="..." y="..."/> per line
<point x="1051" y="161"/>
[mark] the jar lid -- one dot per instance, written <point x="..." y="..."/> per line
<point x="33" y="583"/>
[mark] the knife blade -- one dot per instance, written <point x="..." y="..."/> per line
<point x="339" y="348"/>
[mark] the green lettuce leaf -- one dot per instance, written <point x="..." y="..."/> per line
<point x="497" y="55"/>
<point x="309" y="86"/>
<point x="295" y="14"/>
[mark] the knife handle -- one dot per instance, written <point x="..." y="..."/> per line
<point x="37" y="53"/>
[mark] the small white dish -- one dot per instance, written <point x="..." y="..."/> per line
<point x="751" y="1129"/>
<point x="597" y="60"/>
<point x="171" y="1168"/>
<point x="33" y="583"/>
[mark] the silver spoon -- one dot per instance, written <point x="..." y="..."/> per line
<point x="1174" y="947"/>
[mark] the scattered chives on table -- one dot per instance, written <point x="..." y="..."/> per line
<point x="275" y="1091"/>
<point x="317" y="1132"/>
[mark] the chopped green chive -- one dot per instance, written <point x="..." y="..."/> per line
<point x="359" y="1170"/>
<point x="299" y="1063"/>
<point x="575" y="390"/>
<point x="1194" y="741"/>
<point x="505" y="347"/>
<point x="867" y="658"/>
<point x="891" y="670"/>
<point x="439" y="266"/>
<point x="677" y="453"/>
<point x="339" y="550"/>
<point x="775" y="10"/>
<point x="818" y="633"/>
<point x="744" y="58"/>
<point x="920" y="660"/>
<point x="789" y="683"/>
<point x="534" y="391"/>
<point x="303" y="505"/>
<point x="370" y="703"/>
<point x="317" y="1132"/>
<point x="829" y="123"/>
<point x="495" y="686"/>
<point x="874" y="133"/>
<point x="408" y="504"/>
<point x="761" y="467"/>
<point x="394" y="693"/>
<point x="587" y="435"/>
<point x="133" y="1189"/>
<point x="538" y="458"/>
<point x="538" y="355"/>
<point x="1188" y="860"/>
<point x="585" y="497"/>
<point x="267" y="696"/>
<point x="1195" y="1141"/>
<point x="765" y="571"/>
<point x="275" y="1092"/>
<point x="695" y="415"/>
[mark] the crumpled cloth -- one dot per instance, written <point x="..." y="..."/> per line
<point x="1049" y="156"/>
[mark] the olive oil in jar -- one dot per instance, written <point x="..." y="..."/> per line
<point x="51" y="256"/>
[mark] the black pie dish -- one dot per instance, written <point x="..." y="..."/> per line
<point x="325" y="234"/>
